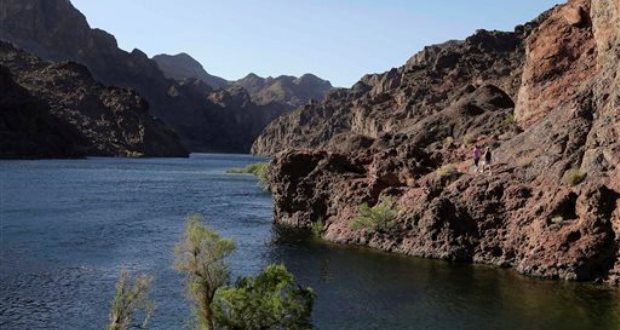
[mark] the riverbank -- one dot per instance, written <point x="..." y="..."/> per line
<point x="67" y="232"/>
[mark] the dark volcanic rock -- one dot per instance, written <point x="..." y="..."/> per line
<point x="28" y="129"/>
<point x="181" y="67"/>
<point x="431" y="81"/>
<point x="56" y="31"/>
<point x="288" y="90"/>
<point x="545" y="98"/>
<point x="107" y="121"/>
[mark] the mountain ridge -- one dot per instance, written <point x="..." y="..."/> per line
<point x="86" y="117"/>
<point x="545" y="100"/>
<point x="56" y="31"/>
<point x="284" y="89"/>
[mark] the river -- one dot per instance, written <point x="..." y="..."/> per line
<point x="68" y="226"/>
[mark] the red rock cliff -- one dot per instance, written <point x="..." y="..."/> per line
<point x="545" y="98"/>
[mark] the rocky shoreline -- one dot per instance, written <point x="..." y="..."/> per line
<point x="545" y="98"/>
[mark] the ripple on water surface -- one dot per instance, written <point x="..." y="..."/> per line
<point x="68" y="226"/>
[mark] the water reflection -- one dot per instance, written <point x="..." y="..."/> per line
<point x="363" y="289"/>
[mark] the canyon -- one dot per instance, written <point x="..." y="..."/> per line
<point x="208" y="113"/>
<point x="545" y="98"/>
<point x="57" y="110"/>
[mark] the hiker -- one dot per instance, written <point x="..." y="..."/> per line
<point x="477" y="154"/>
<point x="488" y="157"/>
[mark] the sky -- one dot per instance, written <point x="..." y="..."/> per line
<point x="338" y="40"/>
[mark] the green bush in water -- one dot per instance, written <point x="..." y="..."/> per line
<point x="378" y="218"/>
<point x="317" y="228"/>
<point x="271" y="300"/>
<point x="260" y="170"/>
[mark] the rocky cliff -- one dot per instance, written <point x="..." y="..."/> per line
<point x="71" y="114"/>
<point x="56" y="31"/>
<point x="27" y="127"/>
<point x="181" y="67"/>
<point x="546" y="100"/>
<point x="289" y="90"/>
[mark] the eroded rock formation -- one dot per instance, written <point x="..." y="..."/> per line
<point x="56" y="31"/>
<point x="27" y="128"/>
<point x="545" y="98"/>
<point x="289" y="90"/>
<point x="58" y="110"/>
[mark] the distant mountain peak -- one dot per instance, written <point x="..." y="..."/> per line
<point x="183" y="66"/>
<point x="291" y="90"/>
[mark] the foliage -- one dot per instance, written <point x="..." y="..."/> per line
<point x="574" y="177"/>
<point x="378" y="218"/>
<point x="260" y="170"/>
<point x="201" y="256"/>
<point x="447" y="170"/>
<point x="469" y="138"/>
<point x="271" y="300"/>
<point x="510" y="119"/>
<point x="317" y="228"/>
<point x="557" y="219"/>
<point x="131" y="299"/>
<point x="134" y="154"/>
<point x="448" y="141"/>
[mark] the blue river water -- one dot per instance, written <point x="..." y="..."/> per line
<point x="68" y="226"/>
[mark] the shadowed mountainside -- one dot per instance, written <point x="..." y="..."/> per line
<point x="58" y="110"/>
<point x="181" y="67"/>
<point x="28" y="129"/>
<point x="55" y="31"/>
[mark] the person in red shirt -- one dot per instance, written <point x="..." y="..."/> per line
<point x="477" y="155"/>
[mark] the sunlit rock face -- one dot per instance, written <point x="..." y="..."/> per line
<point x="546" y="100"/>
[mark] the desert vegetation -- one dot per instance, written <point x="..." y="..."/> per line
<point x="270" y="300"/>
<point x="131" y="306"/>
<point x="447" y="171"/>
<point x="574" y="177"/>
<point x="260" y="170"/>
<point x="378" y="218"/>
<point x="317" y="228"/>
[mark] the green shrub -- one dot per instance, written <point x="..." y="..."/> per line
<point x="201" y="257"/>
<point x="260" y="170"/>
<point x="271" y="300"/>
<point x="317" y="228"/>
<point x="378" y="218"/>
<point x="557" y="219"/>
<point x="134" y="154"/>
<point x="510" y="119"/>
<point x="129" y="300"/>
<point x="448" y="141"/>
<point x="446" y="171"/>
<point x="574" y="177"/>
<point x="469" y="138"/>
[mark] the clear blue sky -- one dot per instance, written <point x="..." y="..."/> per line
<point x="339" y="40"/>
